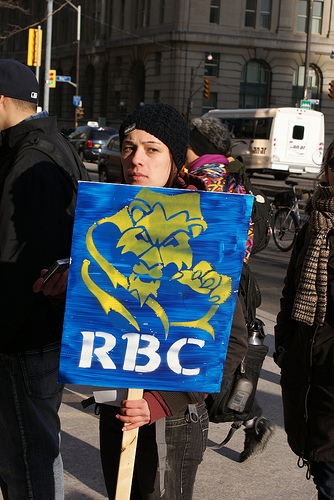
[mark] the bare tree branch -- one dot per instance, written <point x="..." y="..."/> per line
<point x="16" y="29"/>
<point x="9" y="4"/>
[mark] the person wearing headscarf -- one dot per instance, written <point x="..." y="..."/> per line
<point x="209" y="158"/>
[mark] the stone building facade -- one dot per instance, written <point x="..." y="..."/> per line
<point x="135" y="51"/>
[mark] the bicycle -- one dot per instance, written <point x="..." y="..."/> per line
<point x="287" y="218"/>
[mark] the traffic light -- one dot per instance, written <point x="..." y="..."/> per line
<point x="52" y="78"/>
<point x="33" y="47"/>
<point x="331" y="90"/>
<point x="81" y="112"/>
<point x="206" y="91"/>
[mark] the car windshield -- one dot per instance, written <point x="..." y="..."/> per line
<point x="101" y="134"/>
<point x="77" y="132"/>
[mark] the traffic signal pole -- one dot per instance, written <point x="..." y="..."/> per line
<point x="308" y="46"/>
<point x="48" y="55"/>
<point x="192" y="79"/>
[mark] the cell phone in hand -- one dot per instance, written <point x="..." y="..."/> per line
<point x="57" y="267"/>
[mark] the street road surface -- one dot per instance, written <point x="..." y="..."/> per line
<point x="269" y="267"/>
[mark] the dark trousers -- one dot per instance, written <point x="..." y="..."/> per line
<point x="186" y="440"/>
<point x="323" y="477"/>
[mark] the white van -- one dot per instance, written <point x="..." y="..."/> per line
<point x="275" y="140"/>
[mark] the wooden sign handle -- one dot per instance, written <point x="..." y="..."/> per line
<point x="128" y="454"/>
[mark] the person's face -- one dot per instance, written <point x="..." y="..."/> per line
<point x="146" y="161"/>
<point x="3" y="114"/>
<point x="329" y="172"/>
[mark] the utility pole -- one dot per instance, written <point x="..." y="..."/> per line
<point x="308" y="46"/>
<point x="48" y="54"/>
<point x="38" y="55"/>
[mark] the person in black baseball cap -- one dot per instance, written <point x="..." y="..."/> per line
<point x="18" y="93"/>
<point x="36" y="216"/>
<point x="18" y="81"/>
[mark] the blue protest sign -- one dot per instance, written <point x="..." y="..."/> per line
<point x="152" y="287"/>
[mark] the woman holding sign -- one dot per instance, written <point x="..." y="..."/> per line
<point x="154" y="141"/>
<point x="173" y="425"/>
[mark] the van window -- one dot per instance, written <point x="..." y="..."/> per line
<point x="298" y="132"/>
<point x="234" y="126"/>
<point x="248" y="128"/>
<point x="263" y="128"/>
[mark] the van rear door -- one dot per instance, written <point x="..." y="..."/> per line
<point x="298" y="141"/>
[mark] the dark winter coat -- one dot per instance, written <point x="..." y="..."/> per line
<point x="36" y="218"/>
<point x="306" y="357"/>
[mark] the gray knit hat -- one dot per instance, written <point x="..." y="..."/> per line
<point x="18" y="81"/>
<point x="165" y="123"/>
<point x="209" y="136"/>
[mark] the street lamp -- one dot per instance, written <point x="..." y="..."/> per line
<point x="193" y="72"/>
<point x="78" y="9"/>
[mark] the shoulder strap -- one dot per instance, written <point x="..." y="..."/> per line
<point x="53" y="152"/>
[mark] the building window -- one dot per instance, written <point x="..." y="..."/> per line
<point x="211" y="67"/>
<point x="122" y="14"/>
<point x="144" y="13"/>
<point x="313" y="85"/>
<point x="110" y="22"/>
<point x="162" y="12"/>
<point x="265" y="14"/>
<point x="254" y="85"/>
<point x="316" y="17"/>
<point x="158" y="59"/>
<point x="255" y="17"/>
<point x="210" y="104"/>
<point x="97" y="19"/>
<point x="156" y="96"/>
<point x="118" y="66"/>
<point x="214" y="11"/>
<point x="250" y="16"/>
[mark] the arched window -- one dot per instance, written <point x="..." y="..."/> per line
<point x="137" y="78"/>
<point x="313" y="86"/>
<point x="88" y="93"/>
<point x="254" y="85"/>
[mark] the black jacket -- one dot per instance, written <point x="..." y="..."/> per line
<point x="36" y="218"/>
<point x="306" y="357"/>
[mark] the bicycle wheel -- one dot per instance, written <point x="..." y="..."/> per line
<point x="285" y="229"/>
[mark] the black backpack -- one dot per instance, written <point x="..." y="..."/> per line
<point x="250" y="367"/>
<point x="261" y="218"/>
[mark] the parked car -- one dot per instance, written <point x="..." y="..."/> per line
<point x="88" y="141"/>
<point x="109" y="162"/>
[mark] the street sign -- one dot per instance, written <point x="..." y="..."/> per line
<point x="60" y="78"/>
<point x="76" y="100"/>
<point x="305" y="104"/>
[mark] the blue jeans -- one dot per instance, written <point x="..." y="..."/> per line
<point x="30" y="462"/>
<point x="186" y="440"/>
<point x="323" y="477"/>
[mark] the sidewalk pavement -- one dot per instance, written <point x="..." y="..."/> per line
<point x="272" y="475"/>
